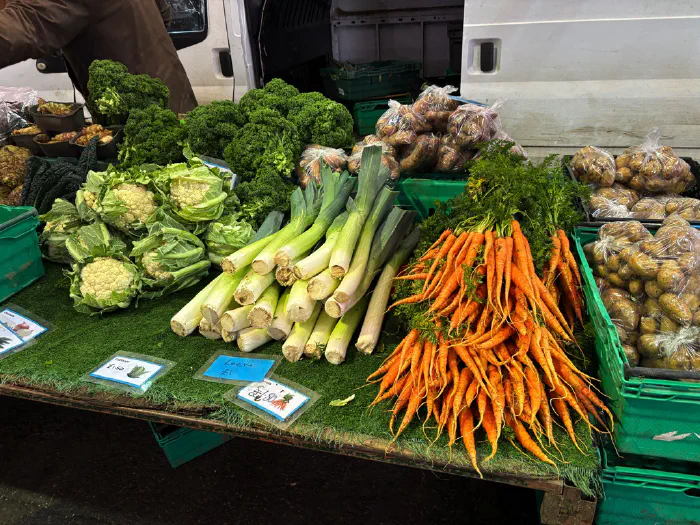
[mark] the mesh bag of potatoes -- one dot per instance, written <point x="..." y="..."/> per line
<point x="388" y="155"/>
<point x="309" y="165"/>
<point x="615" y="201"/>
<point x="435" y="106"/>
<point x="400" y="124"/>
<point x="471" y="124"/>
<point x="595" y="166"/>
<point x="654" y="168"/>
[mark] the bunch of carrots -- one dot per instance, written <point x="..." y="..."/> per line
<point x="495" y="356"/>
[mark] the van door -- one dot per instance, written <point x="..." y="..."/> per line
<point x="199" y="31"/>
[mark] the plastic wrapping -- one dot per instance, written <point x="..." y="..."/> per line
<point x="129" y="371"/>
<point x="388" y="156"/>
<point x="595" y="166"/>
<point x="470" y="124"/>
<point x="19" y="329"/>
<point x="452" y="157"/>
<point x="421" y="155"/>
<point x="686" y="208"/>
<point x="435" y="106"/>
<point x="238" y="368"/>
<point x="15" y="106"/>
<point x="400" y="124"/>
<point x="655" y="168"/>
<point x="309" y="166"/>
<point x="613" y="202"/>
<point x="653" y="208"/>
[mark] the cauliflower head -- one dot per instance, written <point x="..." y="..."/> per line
<point x="196" y="193"/>
<point x="188" y="192"/>
<point x="103" y="284"/>
<point x="134" y="204"/>
<point x="153" y="268"/>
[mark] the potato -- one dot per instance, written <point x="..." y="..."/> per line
<point x="632" y="338"/>
<point x="643" y="265"/>
<point x="652" y="247"/>
<point x="626" y="272"/>
<point x="648" y="325"/>
<point x="670" y="277"/>
<point x="603" y="271"/>
<point x="696" y="318"/>
<point x="653" y="289"/>
<point x="616" y="280"/>
<point x="636" y="288"/>
<point x="622" y="161"/>
<point x="674" y="308"/>
<point x="691" y="300"/>
<point x="624" y="311"/>
<point x="666" y="325"/>
<point x="631" y="354"/>
<point x="693" y="285"/>
<point x="626" y="253"/>
<point x="594" y="166"/>
<point x="651" y="308"/>
<point x="602" y="284"/>
<point x="689" y="261"/>
<point x="613" y="263"/>
<point x="622" y="334"/>
<point x="623" y="175"/>
<point x="649" y="345"/>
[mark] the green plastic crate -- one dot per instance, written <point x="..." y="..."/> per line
<point x="640" y="494"/>
<point x="20" y="258"/>
<point x="368" y="112"/>
<point x="422" y="194"/>
<point x="373" y="80"/>
<point x="184" y="444"/>
<point x="656" y="417"/>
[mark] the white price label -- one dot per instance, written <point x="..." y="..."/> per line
<point x="17" y="329"/>
<point x="127" y="371"/>
<point x="274" y="398"/>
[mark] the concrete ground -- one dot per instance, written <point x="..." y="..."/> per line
<point x="66" y="466"/>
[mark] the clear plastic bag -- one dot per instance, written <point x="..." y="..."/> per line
<point x="373" y="139"/>
<point x="400" y="124"/>
<point x="388" y="159"/>
<point x="15" y="106"/>
<point x="595" y="166"/>
<point x="421" y="155"/>
<point x="451" y="157"/>
<point x="655" y="168"/>
<point x="309" y="165"/>
<point x="673" y="350"/>
<point x="613" y="202"/>
<point x="471" y="124"/>
<point x="650" y="208"/>
<point x="435" y="106"/>
<point x="685" y="207"/>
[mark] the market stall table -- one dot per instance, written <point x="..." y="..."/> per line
<point x="50" y="371"/>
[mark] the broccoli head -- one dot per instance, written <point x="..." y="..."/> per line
<point x="152" y="135"/>
<point x="268" y="140"/>
<point x="266" y="192"/>
<point x="114" y="92"/>
<point x="211" y="128"/>
<point x="321" y="121"/>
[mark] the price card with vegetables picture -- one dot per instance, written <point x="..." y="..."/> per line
<point x="129" y="371"/>
<point x="18" y="328"/>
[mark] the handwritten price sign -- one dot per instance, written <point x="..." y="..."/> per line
<point x="226" y="367"/>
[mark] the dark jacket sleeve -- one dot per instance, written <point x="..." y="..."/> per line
<point x="166" y="11"/>
<point x="39" y="28"/>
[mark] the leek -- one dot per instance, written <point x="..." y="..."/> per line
<point x="305" y="208"/>
<point x="245" y="256"/>
<point x="187" y="319"/>
<point x="384" y="244"/>
<point x="293" y="347"/>
<point x="336" y="190"/>
<point x="281" y="325"/>
<point x="285" y="274"/>
<point x="236" y="319"/>
<point x="218" y="300"/>
<point x="264" y="309"/>
<point x="209" y="330"/>
<point x="299" y="305"/>
<point x="319" y="259"/>
<point x="371" y="177"/>
<point x="356" y="272"/>
<point x="372" y="325"/>
<point x="322" y="286"/>
<point x="319" y="337"/>
<point x="251" y="338"/>
<point x="252" y="286"/>
<point x="228" y="337"/>
<point x="338" y="342"/>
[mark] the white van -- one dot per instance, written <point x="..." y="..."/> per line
<point x="572" y="73"/>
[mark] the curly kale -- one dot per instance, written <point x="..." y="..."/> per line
<point x="265" y="193"/>
<point x="212" y="127"/>
<point x="268" y="140"/>
<point x="114" y="92"/>
<point x="279" y="87"/>
<point x="152" y="135"/>
<point x="276" y="95"/>
<point x="321" y="121"/>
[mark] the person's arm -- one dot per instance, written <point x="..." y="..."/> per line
<point x="166" y="12"/>
<point x="38" y="28"/>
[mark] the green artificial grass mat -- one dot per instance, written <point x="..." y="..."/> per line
<point x="79" y="343"/>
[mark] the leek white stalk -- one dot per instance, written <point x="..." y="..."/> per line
<point x="236" y="319"/>
<point x="251" y="338"/>
<point x="384" y="244"/>
<point x="322" y="286"/>
<point x="252" y="286"/>
<point x="338" y="342"/>
<point x="299" y="305"/>
<point x="305" y="209"/>
<point x="264" y="236"/>
<point x="228" y="337"/>
<point x="372" y="325"/>
<point x="356" y="272"/>
<point x="208" y="330"/>
<point x="220" y="297"/>
<point x="187" y="319"/>
<point x="371" y="177"/>
<point x="336" y="190"/>
<point x="281" y="325"/>
<point x="319" y="258"/>
<point x="263" y="310"/>
<point x="285" y="274"/>
<point x="319" y="336"/>
<point x="293" y="347"/>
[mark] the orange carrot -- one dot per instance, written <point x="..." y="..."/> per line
<point x="439" y="240"/>
<point x="570" y="288"/>
<point x="507" y="269"/>
<point x="471" y="363"/>
<point x="570" y="260"/>
<point x="408" y="300"/>
<point x="472" y="392"/>
<point x="390" y="377"/>
<point x="446" y="409"/>
<point x="418" y="351"/>
<point x="451" y="308"/>
<point x="454" y="367"/>
<point x="581" y="388"/>
<point x="488" y="421"/>
<point x="526" y="441"/>
<point x="523" y="283"/>
<point x="476" y="243"/>
<point x="519" y="388"/>
<point x="563" y="413"/>
<point x="490" y="260"/>
<point x="534" y="389"/>
<point x="413" y="277"/>
<point x="510" y="397"/>
<point x="395" y="389"/>
<point x="447" y="290"/>
<point x="501" y="252"/>
<point x="499" y="402"/>
<point x="503" y="334"/>
<point x="465" y="377"/>
<point x="466" y="429"/>
<point x="401" y="402"/>
<point x="443" y="251"/>
<point x="386" y="365"/>
<point x="554" y="256"/>
<point x="454" y="251"/>
<point x="413" y="404"/>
